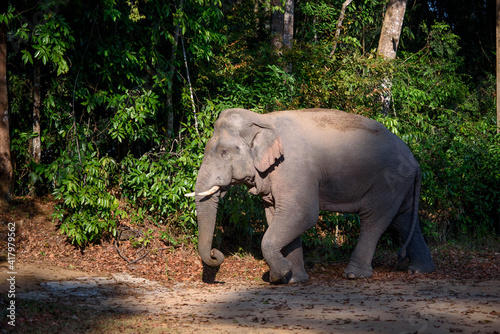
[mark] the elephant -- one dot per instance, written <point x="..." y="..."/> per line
<point x="304" y="161"/>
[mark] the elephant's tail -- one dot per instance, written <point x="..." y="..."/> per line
<point x="403" y="254"/>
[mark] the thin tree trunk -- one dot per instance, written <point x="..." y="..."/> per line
<point x="339" y="25"/>
<point x="193" y="105"/>
<point x="498" y="63"/>
<point x="288" y="24"/>
<point x="5" y="161"/>
<point x="36" y="141"/>
<point x="388" y="43"/>
<point x="170" y="102"/>
<point x="282" y="25"/>
<point x="276" y="26"/>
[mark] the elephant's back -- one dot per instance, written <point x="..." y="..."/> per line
<point x="331" y="120"/>
<point x="332" y="135"/>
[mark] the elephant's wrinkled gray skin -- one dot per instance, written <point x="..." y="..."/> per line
<point x="305" y="161"/>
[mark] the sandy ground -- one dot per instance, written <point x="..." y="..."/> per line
<point x="417" y="305"/>
<point x="66" y="290"/>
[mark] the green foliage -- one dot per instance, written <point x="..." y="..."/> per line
<point x="49" y="40"/>
<point x="240" y="216"/>
<point x="359" y="31"/>
<point x="458" y="155"/>
<point x="158" y="181"/>
<point x="428" y="81"/>
<point x="114" y="84"/>
<point x="134" y="118"/>
<point x="335" y="233"/>
<point x="88" y="210"/>
<point x="7" y="16"/>
<point x="272" y="88"/>
<point x="142" y="241"/>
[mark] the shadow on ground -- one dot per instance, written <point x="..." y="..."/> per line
<point x="122" y="303"/>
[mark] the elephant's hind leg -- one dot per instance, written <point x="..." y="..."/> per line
<point x="373" y="224"/>
<point x="418" y="252"/>
<point x="360" y="263"/>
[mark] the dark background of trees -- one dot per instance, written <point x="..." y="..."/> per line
<point x="129" y="92"/>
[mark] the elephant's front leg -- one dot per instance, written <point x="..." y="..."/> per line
<point x="294" y="253"/>
<point x="282" y="245"/>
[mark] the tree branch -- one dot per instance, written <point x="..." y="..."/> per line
<point x="339" y="25"/>
<point x="190" y="86"/>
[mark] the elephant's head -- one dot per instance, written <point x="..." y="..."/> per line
<point x="243" y="144"/>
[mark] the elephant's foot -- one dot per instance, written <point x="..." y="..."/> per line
<point x="290" y="278"/>
<point x="279" y="279"/>
<point x="421" y="268"/>
<point x="282" y="273"/>
<point x="355" y="271"/>
<point x="299" y="277"/>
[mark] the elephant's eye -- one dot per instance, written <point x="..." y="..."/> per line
<point x="223" y="153"/>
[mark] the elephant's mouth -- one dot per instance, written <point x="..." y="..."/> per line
<point x="249" y="181"/>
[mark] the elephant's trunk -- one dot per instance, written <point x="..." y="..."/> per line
<point x="206" y="208"/>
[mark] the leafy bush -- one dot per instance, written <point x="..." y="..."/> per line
<point x="92" y="189"/>
<point x="334" y="235"/>
<point x="158" y="181"/>
<point x="458" y="156"/>
<point x="428" y="81"/>
<point x="267" y="89"/>
<point x="88" y="209"/>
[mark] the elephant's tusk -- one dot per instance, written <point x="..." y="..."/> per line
<point x="211" y="191"/>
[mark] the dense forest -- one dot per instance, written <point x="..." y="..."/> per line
<point x="111" y="102"/>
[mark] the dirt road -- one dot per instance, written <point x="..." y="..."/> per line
<point x="417" y="305"/>
<point x="63" y="289"/>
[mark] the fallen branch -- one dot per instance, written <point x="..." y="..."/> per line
<point x="125" y="258"/>
<point x="118" y="237"/>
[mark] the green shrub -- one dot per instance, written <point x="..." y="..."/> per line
<point x="157" y="182"/>
<point x="459" y="158"/>
<point x="241" y="221"/>
<point x="88" y="209"/>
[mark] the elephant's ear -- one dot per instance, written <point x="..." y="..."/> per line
<point x="266" y="149"/>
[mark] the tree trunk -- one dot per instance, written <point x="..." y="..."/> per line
<point x="36" y="141"/>
<point x="391" y="28"/>
<point x="498" y="63"/>
<point x="288" y="24"/>
<point x="5" y="162"/>
<point x="282" y="25"/>
<point x="171" y="72"/>
<point x="276" y="26"/>
<point x="388" y="43"/>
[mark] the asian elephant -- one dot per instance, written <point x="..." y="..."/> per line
<point x="304" y="161"/>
